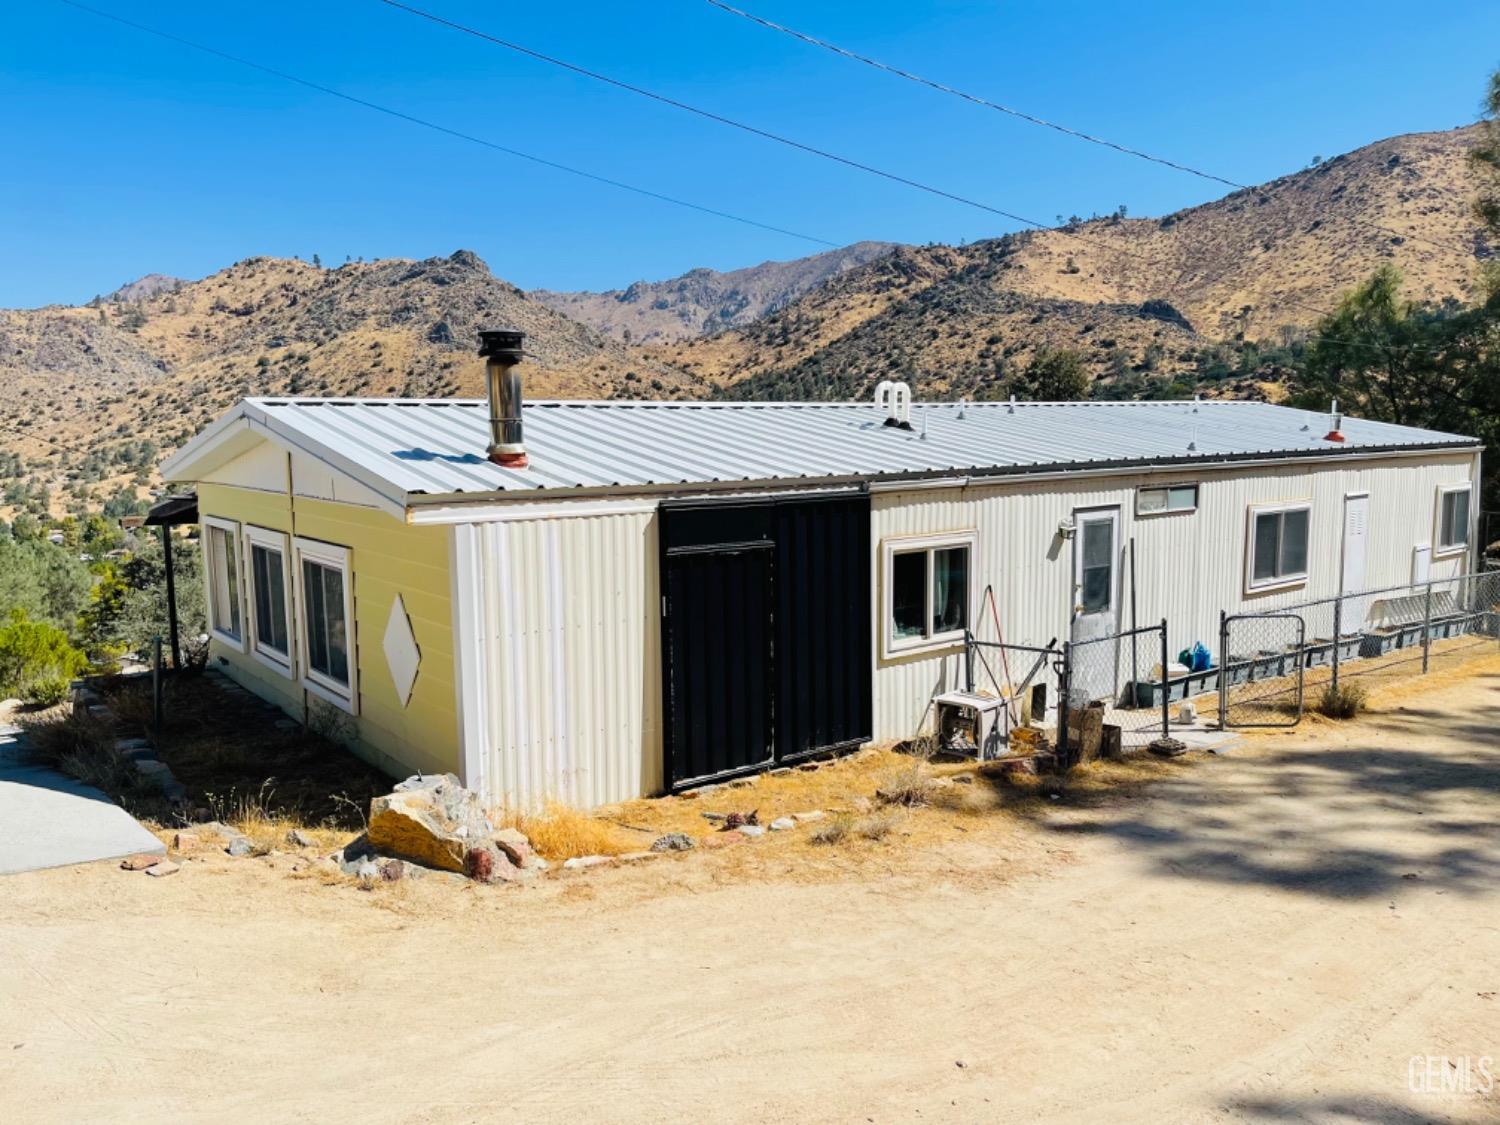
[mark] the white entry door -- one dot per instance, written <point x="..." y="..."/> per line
<point x="1096" y="602"/>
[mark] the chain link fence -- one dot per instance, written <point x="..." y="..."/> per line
<point x="1101" y="696"/>
<point x="1117" y="696"/>
<point x="1273" y="664"/>
<point x="1260" y="680"/>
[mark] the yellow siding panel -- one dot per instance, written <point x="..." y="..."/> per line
<point x="387" y="558"/>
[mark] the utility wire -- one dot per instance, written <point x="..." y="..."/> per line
<point x="622" y="185"/>
<point x="778" y="138"/>
<point x="1079" y="134"/>
<point x="444" y="129"/>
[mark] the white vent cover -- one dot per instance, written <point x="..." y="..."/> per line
<point x="895" y="399"/>
<point x="402" y="655"/>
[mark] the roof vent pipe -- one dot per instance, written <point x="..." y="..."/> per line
<point x="501" y="349"/>
<point x="1336" y="422"/>
<point x="1012" y="409"/>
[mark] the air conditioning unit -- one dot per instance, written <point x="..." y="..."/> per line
<point x="972" y="724"/>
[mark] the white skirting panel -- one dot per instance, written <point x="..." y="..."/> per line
<point x="571" y="658"/>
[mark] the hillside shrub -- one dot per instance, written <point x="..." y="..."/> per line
<point x="32" y="653"/>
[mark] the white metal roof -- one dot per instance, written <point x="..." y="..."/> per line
<point x="411" y="451"/>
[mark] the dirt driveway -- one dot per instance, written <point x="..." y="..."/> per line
<point x="1271" y="935"/>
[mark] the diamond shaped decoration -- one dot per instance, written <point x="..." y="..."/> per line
<point x="402" y="655"/>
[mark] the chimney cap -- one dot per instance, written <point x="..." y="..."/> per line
<point x="502" y="343"/>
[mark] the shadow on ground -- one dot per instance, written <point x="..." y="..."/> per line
<point x="1331" y="1111"/>
<point x="1318" y="821"/>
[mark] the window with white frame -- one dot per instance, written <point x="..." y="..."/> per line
<point x="1166" y="498"/>
<point x="326" y="623"/>
<point x="1277" y="551"/>
<point x="270" y="582"/>
<point x="221" y="551"/>
<point x="928" y="586"/>
<point x="1453" y="517"/>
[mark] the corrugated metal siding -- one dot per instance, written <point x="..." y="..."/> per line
<point x="1188" y="566"/>
<point x="573" y="660"/>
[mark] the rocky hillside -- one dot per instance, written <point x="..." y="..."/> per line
<point x="144" y="287"/>
<point x="1140" y="297"/>
<point x="702" y="301"/>
<point x="82" y="389"/>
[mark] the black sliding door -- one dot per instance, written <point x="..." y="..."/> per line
<point x="766" y="632"/>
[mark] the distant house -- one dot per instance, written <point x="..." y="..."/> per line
<point x="644" y="594"/>
<point x="55" y="537"/>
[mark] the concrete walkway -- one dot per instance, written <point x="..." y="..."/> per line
<point x="50" y="820"/>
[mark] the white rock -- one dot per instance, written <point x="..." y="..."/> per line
<point x="782" y="823"/>
<point x="751" y="830"/>
<point x="586" y="861"/>
<point x="804" y="817"/>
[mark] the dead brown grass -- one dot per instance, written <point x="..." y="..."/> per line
<point x="561" y="832"/>
<point x="233" y="760"/>
<point x="77" y="744"/>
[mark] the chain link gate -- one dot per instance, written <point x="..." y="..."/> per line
<point x="1263" y="664"/>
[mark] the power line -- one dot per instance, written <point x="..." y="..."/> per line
<point x="1079" y="134"/>
<point x="444" y="129"/>
<point x="622" y="185"/>
<point x="781" y="139"/>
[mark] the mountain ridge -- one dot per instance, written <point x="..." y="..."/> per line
<point x="704" y="301"/>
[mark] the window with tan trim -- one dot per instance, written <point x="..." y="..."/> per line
<point x="928" y="591"/>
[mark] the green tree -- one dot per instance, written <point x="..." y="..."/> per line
<point x="33" y="656"/>
<point x="1057" y="375"/>
<point x="1386" y="358"/>
<point x="143" y="608"/>
<point x="26" y="528"/>
<point x="1486" y="158"/>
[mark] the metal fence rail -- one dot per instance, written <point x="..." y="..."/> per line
<point x="1262" y="663"/>
<point x="1117" y="688"/>
<point x="1365" y="637"/>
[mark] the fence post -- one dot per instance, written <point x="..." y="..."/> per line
<point x="1166" y="702"/>
<point x="1064" y="689"/>
<point x="1223" y="670"/>
<point x="1338" y="636"/>
<point x="1426" y="626"/>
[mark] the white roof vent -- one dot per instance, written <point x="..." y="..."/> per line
<point x="895" y="399"/>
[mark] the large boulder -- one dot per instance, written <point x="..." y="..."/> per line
<point x="429" y="820"/>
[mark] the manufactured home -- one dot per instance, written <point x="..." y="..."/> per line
<point x="592" y="601"/>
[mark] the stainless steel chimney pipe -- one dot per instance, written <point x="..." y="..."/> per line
<point x="501" y="349"/>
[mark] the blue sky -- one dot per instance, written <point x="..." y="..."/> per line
<point x="125" y="155"/>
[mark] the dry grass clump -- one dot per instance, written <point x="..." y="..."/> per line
<point x="909" y="785"/>
<point x="562" y="832"/>
<point x="1342" y="702"/>
<point x="267" y="820"/>
<point x="877" y="825"/>
<point x="846" y="826"/>
<point x="834" y="830"/>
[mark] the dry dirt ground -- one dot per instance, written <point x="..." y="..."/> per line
<point x="1271" y="935"/>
